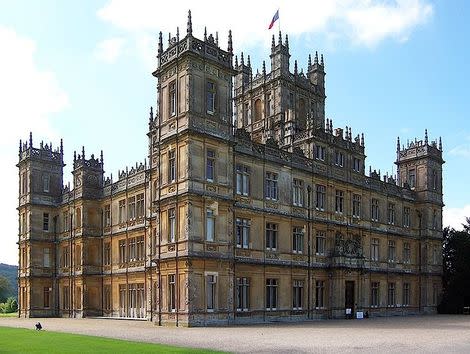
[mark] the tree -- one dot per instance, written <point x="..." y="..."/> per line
<point x="456" y="273"/>
<point x="5" y="288"/>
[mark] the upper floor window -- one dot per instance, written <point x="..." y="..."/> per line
<point x="339" y="201"/>
<point x="122" y="211"/>
<point x="171" y="166"/>
<point x="356" y="165"/>
<point x="258" y="110"/>
<point x="392" y="254"/>
<point x="391" y="213"/>
<point x="297" y="240"/>
<point x="356" y="206"/>
<point x="140" y="205"/>
<point x="211" y="91"/>
<point x="78" y="217"/>
<point x="46" y="257"/>
<point x="406" y="217"/>
<point x="171" y="225"/>
<point x="339" y="159"/>
<point x="298" y="191"/>
<point x="243" y="180"/>
<point x="271" y="186"/>
<point x="374" y="209"/>
<point x="243" y="232"/>
<point x="172" y="98"/>
<point x="45" y="221"/>
<point x="24" y="183"/>
<point x="246" y="113"/>
<point x="320" y="242"/>
<point x="375" y="249"/>
<point x="412" y="178"/>
<point x="107" y="215"/>
<point x="271" y="236"/>
<point x="210" y="163"/>
<point x="268" y="105"/>
<point x="131" y="208"/>
<point x="46" y="179"/>
<point x="320" y="152"/>
<point x="406" y="252"/>
<point x="320" y="197"/>
<point x="210" y="225"/>
<point x="66" y="221"/>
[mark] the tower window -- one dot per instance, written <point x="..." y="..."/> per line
<point x="171" y="166"/>
<point x="258" y="110"/>
<point x="45" y="183"/>
<point x="172" y="98"/>
<point x="210" y="162"/>
<point x="45" y="222"/>
<point x="412" y="178"/>
<point x="211" y="90"/>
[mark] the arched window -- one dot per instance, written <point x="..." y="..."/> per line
<point x="258" y="110"/>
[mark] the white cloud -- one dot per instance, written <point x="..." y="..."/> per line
<point x="28" y="97"/>
<point x="461" y="150"/>
<point x="455" y="217"/>
<point x="109" y="50"/>
<point x="362" y="22"/>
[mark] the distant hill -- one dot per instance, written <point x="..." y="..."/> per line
<point x="10" y="272"/>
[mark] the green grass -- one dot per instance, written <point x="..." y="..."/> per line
<point x="12" y="314"/>
<point x="20" y="340"/>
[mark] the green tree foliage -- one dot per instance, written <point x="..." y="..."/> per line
<point x="456" y="276"/>
<point x="5" y="288"/>
<point x="9" y="306"/>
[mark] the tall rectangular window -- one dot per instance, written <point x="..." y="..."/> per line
<point x="434" y="220"/>
<point x="391" y="213"/>
<point x="406" y="217"/>
<point x="107" y="297"/>
<point x="46" y="257"/>
<point x="47" y="297"/>
<point x="271" y="294"/>
<point x="391" y="300"/>
<point x="319" y="294"/>
<point x="320" y="197"/>
<point x="66" y="221"/>
<point x="375" y="250"/>
<point x="122" y="251"/>
<point x="210" y="164"/>
<point x="243" y="180"/>
<point x="171" y="166"/>
<point x="320" y="243"/>
<point x="392" y="251"/>
<point x="211" y="282"/>
<point x="131" y="208"/>
<point x="406" y="253"/>
<point x="320" y="152"/>
<point x="339" y="159"/>
<point x="243" y="232"/>
<point x="172" y="98"/>
<point x="171" y="292"/>
<point x="297" y="239"/>
<point x="66" y="298"/>
<point x="271" y="186"/>
<point x="298" y="192"/>
<point x="374" y="294"/>
<point x="243" y="294"/>
<point x="46" y="179"/>
<point x="271" y="236"/>
<point x="374" y="209"/>
<point x="268" y="105"/>
<point x="356" y="164"/>
<point x="122" y="211"/>
<point x="297" y="294"/>
<point x="210" y="225"/>
<point x="171" y="225"/>
<point x="435" y="293"/>
<point x="65" y="257"/>
<point x="140" y="248"/>
<point x="132" y="249"/>
<point x="339" y="201"/>
<point x="45" y="221"/>
<point x="107" y="253"/>
<point x="140" y="205"/>
<point x="412" y="178"/>
<point x="406" y="294"/>
<point x="211" y="97"/>
<point x="434" y="182"/>
<point x="107" y="215"/>
<point x="24" y="183"/>
<point x="356" y="206"/>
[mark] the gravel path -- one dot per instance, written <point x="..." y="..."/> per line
<point x="416" y="334"/>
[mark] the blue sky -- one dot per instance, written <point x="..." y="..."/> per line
<point x="82" y="71"/>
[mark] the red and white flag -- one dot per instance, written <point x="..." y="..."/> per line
<point x="275" y="18"/>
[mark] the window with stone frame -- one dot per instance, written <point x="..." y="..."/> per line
<point x="392" y="251"/>
<point x="375" y="250"/>
<point x="122" y="251"/>
<point x="391" y="295"/>
<point x="107" y="253"/>
<point x="406" y="294"/>
<point x="210" y="165"/>
<point x="271" y="236"/>
<point x="243" y="232"/>
<point x="171" y="225"/>
<point x="171" y="292"/>
<point x="46" y="257"/>
<point x="375" y="294"/>
<point x="140" y="206"/>
<point x="211" y="291"/>
<point x="131" y="208"/>
<point x="243" y="180"/>
<point x="298" y="192"/>
<point x="412" y="178"/>
<point x="406" y="253"/>
<point x="356" y="206"/>
<point x="46" y="179"/>
<point x="356" y="164"/>
<point x="210" y="225"/>
<point x="391" y="213"/>
<point x="319" y="294"/>
<point x="211" y="91"/>
<point x="172" y="98"/>
<point x="320" y="197"/>
<point x="297" y="294"/>
<point x="171" y="166"/>
<point x="243" y="294"/>
<point x="406" y="217"/>
<point x="374" y="209"/>
<point x="320" y="243"/>
<point x="297" y="239"/>
<point x="65" y="257"/>
<point x="271" y="186"/>
<point x="320" y="152"/>
<point x="339" y="159"/>
<point x="47" y="297"/>
<point x="45" y="221"/>
<point x="122" y="211"/>
<point x="271" y="294"/>
<point x="339" y="201"/>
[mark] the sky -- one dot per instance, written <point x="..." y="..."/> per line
<point x="81" y="71"/>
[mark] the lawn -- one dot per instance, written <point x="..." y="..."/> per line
<point x="20" y="340"/>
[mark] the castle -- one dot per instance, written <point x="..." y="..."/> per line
<point x="252" y="207"/>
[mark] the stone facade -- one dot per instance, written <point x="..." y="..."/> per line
<point x="251" y="208"/>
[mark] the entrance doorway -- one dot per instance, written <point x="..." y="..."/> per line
<point x="349" y="297"/>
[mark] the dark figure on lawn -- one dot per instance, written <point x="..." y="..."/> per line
<point x="38" y="326"/>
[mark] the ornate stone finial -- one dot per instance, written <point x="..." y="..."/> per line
<point x="331" y="126"/>
<point x="61" y="147"/>
<point x="362" y="139"/>
<point x="205" y="34"/>
<point x="440" y="143"/>
<point x="169" y="38"/>
<point x="101" y="158"/>
<point x="309" y="61"/>
<point x="160" y="43"/>
<point x="295" y="68"/>
<point x="315" y="61"/>
<point x="370" y="170"/>
<point x="217" y="38"/>
<point x="327" y="125"/>
<point x="264" y="68"/>
<point x="151" y="115"/>
<point x="321" y="61"/>
<point x="83" y="152"/>
<point x="426" y="136"/>
<point x="177" y="34"/>
<point x="280" y="38"/>
<point x="236" y="62"/>
<point x="74" y="156"/>
<point x="398" y="144"/>
<point x="230" y="44"/>
<point x="287" y="41"/>
<point x="242" y="60"/>
<point x="248" y="62"/>
<point x="21" y="147"/>
<point x="31" y="140"/>
<point x="189" y="28"/>
<point x="273" y="44"/>
<point x="350" y="134"/>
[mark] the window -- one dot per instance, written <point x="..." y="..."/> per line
<point x="66" y="220"/>
<point x="140" y="205"/>
<point x="271" y="186"/>
<point x="171" y="225"/>
<point x="211" y="90"/>
<point x="211" y="280"/>
<point x="47" y="297"/>
<point x="258" y="110"/>
<point x="46" y="258"/>
<point x="406" y="294"/>
<point x="356" y="164"/>
<point x="320" y="197"/>
<point x="66" y="298"/>
<point x="406" y="253"/>
<point x="65" y="257"/>
<point x="339" y="201"/>
<point x="374" y="209"/>
<point x="107" y="297"/>
<point x="243" y="294"/>
<point x="391" y="213"/>
<point x="374" y="294"/>
<point x="434" y="184"/>
<point x="122" y="300"/>
<point x="122" y="211"/>
<point x="374" y="250"/>
<point x="210" y="224"/>
<point x="298" y="197"/>
<point x="122" y="251"/>
<point x="319" y="294"/>
<point x="320" y="243"/>
<point x="356" y="206"/>
<point x="391" y="251"/>
<point x="78" y="217"/>
<point x="297" y="294"/>
<point x="171" y="293"/>
<point x="406" y="217"/>
<point x="107" y="253"/>
<point x="291" y="100"/>
<point x="271" y="236"/>
<point x="171" y="166"/>
<point x="391" y="295"/>
<point x="339" y="159"/>
<point x="320" y="152"/>
<point x="45" y="221"/>
<point x="107" y="216"/>
<point x="271" y="294"/>
<point x="172" y="98"/>
<point x="434" y="220"/>
<point x="243" y="180"/>
<point x="23" y="223"/>
<point x="297" y="240"/>
<point x="140" y="248"/>
<point x="46" y="179"/>
<point x="24" y="183"/>
<point x="132" y="249"/>
<point x="131" y="208"/>
<point x="412" y="178"/>
<point x="210" y="163"/>
<point x="243" y="232"/>
<point x="246" y="113"/>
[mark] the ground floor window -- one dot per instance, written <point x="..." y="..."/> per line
<point x="107" y="297"/>
<point x="132" y="300"/>
<point x="406" y="294"/>
<point x="66" y="298"/>
<point x="374" y="294"/>
<point x="319" y="294"/>
<point x="271" y="294"/>
<point x="297" y="294"/>
<point x="243" y="294"/>
<point x="47" y="297"/>
<point x="391" y="295"/>
<point x="211" y="281"/>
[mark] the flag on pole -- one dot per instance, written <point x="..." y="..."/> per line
<point x="275" y="18"/>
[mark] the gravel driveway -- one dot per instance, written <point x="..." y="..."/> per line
<point x="416" y="334"/>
